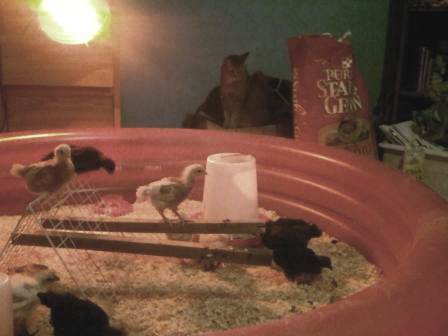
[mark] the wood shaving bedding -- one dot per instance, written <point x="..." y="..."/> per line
<point x="161" y="296"/>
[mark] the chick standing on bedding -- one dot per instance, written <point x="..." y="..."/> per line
<point x="288" y="239"/>
<point x="71" y="316"/>
<point x="26" y="282"/>
<point x="47" y="176"/>
<point x="169" y="192"/>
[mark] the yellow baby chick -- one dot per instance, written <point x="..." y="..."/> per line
<point x="169" y="192"/>
<point x="26" y="282"/>
<point x="47" y="176"/>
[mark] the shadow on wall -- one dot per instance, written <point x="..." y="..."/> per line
<point x="171" y="50"/>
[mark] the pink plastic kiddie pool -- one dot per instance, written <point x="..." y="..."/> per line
<point x="398" y="223"/>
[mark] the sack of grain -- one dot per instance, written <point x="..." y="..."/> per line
<point x="330" y="100"/>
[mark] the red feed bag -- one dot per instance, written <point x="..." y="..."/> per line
<point x="330" y="100"/>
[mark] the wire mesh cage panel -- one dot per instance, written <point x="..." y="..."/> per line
<point x="44" y="235"/>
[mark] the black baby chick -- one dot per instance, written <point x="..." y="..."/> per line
<point x="71" y="316"/>
<point x="288" y="239"/>
<point x="88" y="158"/>
<point x="288" y="231"/>
<point x="300" y="264"/>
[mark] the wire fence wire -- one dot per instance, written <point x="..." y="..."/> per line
<point x="92" y="272"/>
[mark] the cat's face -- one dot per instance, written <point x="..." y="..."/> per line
<point x="233" y="68"/>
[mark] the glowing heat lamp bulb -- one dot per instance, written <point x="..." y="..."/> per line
<point x="73" y="21"/>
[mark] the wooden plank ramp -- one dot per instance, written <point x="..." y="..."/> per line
<point x="141" y="226"/>
<point x="109" y="243"/>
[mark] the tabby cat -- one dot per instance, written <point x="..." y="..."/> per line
<point x="245" y="101"/>
<point x="244" y="97"/>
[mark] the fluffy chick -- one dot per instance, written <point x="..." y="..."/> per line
<point x="288" y="239"/>
<point x="88" y="158"/>
<point x="26" y="282"/>
<point x="300" y="264"/>
<point x="47" y="176"/>
<point x="289" y="232"/>
<point x="71" y="316"/>
<point x="169" y="192"/>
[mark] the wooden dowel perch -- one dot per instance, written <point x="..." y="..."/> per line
<point x="136" y="226"/>
<point x="100" y="242"/>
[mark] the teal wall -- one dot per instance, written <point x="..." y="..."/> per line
<point x="171" y="50"/>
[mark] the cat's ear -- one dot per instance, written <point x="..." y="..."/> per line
<point x="242" y="58"/>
